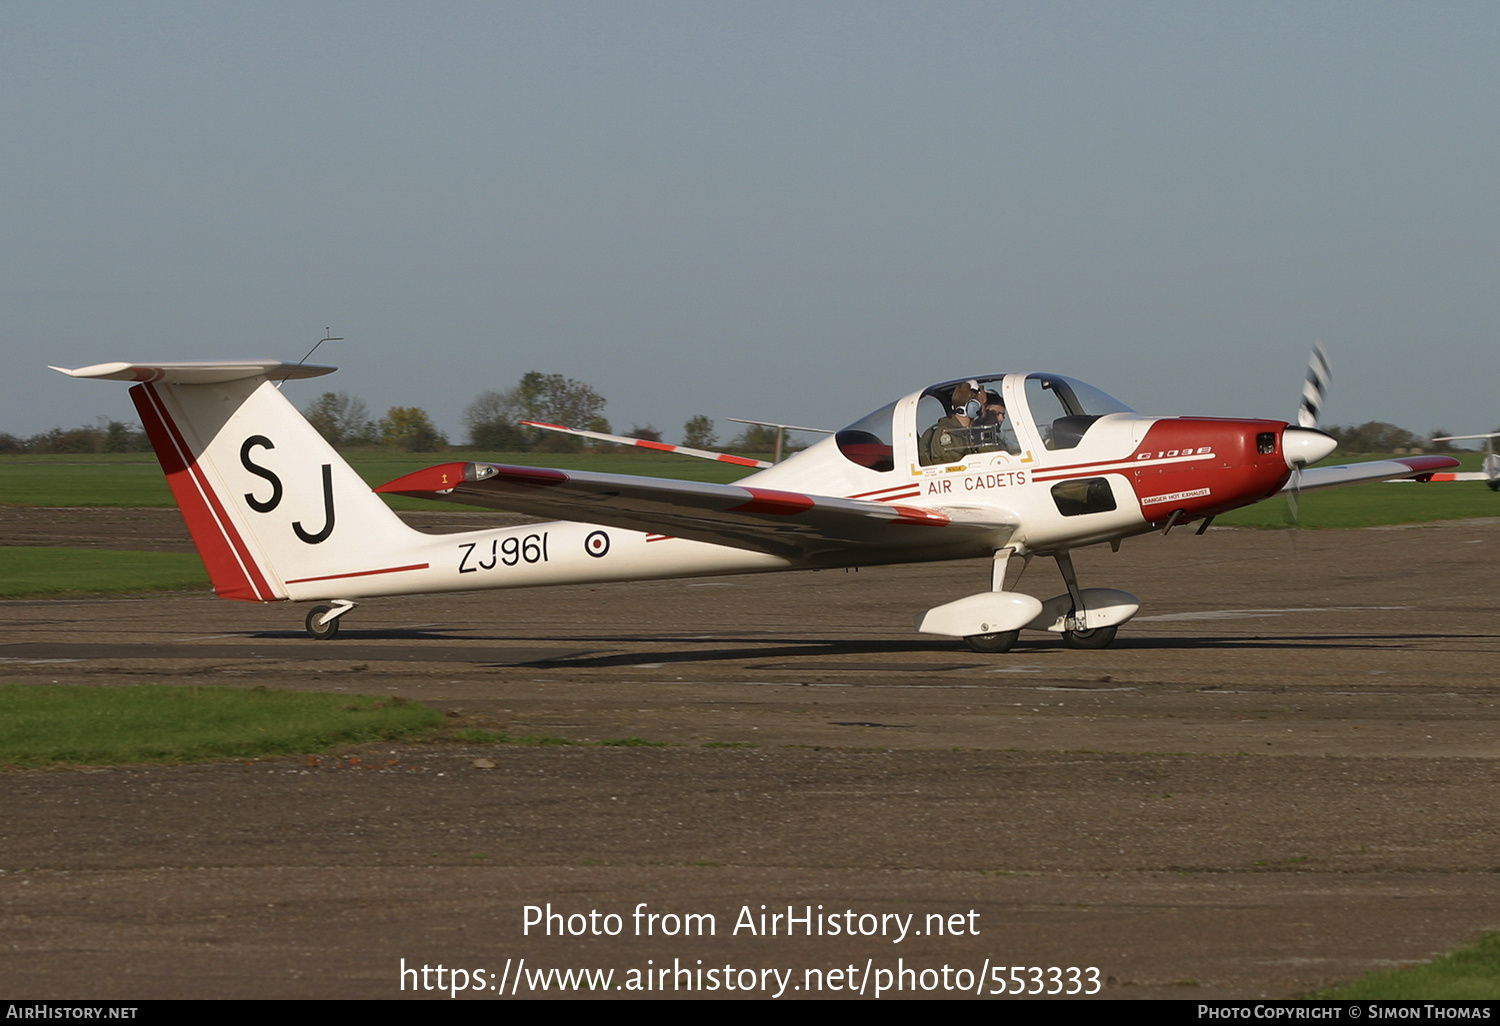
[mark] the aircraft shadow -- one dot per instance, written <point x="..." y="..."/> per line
<point x="1229" y="641"/>
<point x="767" y="649"/>
<point x="867" y="654"/>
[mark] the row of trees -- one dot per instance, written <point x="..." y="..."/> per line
<point x="345" y="421"/>
<point x="105" y="436"/>
<point x="1378" y="436"/>
<point x="495" y="421"/>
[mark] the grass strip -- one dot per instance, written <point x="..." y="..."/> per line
<point x="48" y="725"/>
<point x="1468" y="974"/>
<point x="135" y="479"/>
<point x="1373" y="505"/>
<point x="41" y="570"/>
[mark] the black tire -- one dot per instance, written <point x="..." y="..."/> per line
<point x="322" y="632"/>
<point x="1494" y="485"/>
<point x="992" y="643"/>
<point x="1099" y="637"/>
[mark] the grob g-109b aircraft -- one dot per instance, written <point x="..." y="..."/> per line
<point x="997" y="466"/>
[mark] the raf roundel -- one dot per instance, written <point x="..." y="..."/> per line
<point x="596" y="544"/>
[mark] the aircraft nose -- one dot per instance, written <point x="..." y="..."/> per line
<point x="1303" y="446"/>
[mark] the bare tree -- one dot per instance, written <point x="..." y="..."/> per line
<point x="698" y="433"/>
<point x="341" y="419"/>
<point x="493" y="418"/>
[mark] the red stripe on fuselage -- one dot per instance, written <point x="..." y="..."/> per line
<point x="230" y="565"/>
<point x="882" y="491"/>
<point x="361" y="573"/>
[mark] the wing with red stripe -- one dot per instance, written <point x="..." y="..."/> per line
<point x="790" y="524"/>
<point x="1418" y="467"/>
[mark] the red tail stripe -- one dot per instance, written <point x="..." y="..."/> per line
<point x="230" y="565"/>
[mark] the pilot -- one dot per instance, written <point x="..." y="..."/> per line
<point x="992" y="421"/>
<point x="949" y="439"/>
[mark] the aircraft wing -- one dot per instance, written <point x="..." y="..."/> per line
<point x="198" y="372"/>
<point x="1420" y="468"/>
<point x="789" y="524"/>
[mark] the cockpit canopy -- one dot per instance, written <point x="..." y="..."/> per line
<point x="1063" y="409"/>
<point x="955" y="419"/>
<point x="867" y="441"/>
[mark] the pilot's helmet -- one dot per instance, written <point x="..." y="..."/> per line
<point x="968" y="399"/>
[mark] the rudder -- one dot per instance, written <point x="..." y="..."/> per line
<point x="268" y="501"/>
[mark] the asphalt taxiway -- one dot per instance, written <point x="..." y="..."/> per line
<point x="1283" y="774"/>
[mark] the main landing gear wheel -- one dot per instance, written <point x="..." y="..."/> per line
<point x="1099" y="637"/>
<point x="1000" y="642"/>
<point x="324" y="631"/>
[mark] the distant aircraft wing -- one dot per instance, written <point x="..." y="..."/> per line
<point x="646" y="443"/>
<point x="1468" y="475"/>
<point x="1418" y="468"/>
<point x="789" y="524"/>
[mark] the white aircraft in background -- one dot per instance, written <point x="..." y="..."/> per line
<point x="1491" y="464"/>
<point x="997" y="466"/>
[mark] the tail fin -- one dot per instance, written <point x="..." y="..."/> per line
<point x="268" y="501"/>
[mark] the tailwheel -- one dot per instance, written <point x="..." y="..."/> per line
<point x="992" y="643"/>
<point x="1099" y="637"/>
<point x="322" y="631"/>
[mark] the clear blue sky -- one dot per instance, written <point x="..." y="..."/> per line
<point x="791" y="211"/>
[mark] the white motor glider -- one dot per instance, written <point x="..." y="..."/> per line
<point x="996" y="466"/>
<point x="1491" y="463"/>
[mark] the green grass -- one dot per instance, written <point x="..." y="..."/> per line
<point x="135" y="479"/>
<point x="28" y="570"/>
<point x="1469" y="974"/>
<point x="1374" y="505"/>
<point x="123" y="479"/>
<point x="58" y="725"/>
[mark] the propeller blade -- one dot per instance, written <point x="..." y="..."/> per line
<point x="1306" y="447"/>
<point x="1315" y="388"/>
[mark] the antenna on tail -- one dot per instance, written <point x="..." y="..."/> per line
<point x="328" y="336"/>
